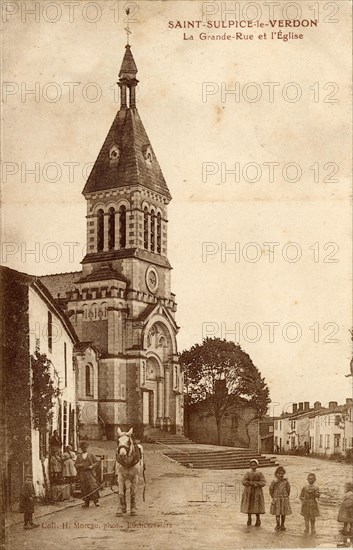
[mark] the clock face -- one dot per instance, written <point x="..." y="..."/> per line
<point x="152" y="279"/>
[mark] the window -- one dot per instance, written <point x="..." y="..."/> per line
<point x="147" y="153"/>
<point x="143" y="373"/>
<point x="337" y="440"/>
<point x="89" y="384"/>
<point x="159" y="233"/>
<point x="145" y="228"/>
<point x="152" y="231"/>
<point x="85" y="312"/>
<point x="94" y="312"/>
<point x="327" y="441"/>
<point x="276" y="424"/>
<point x="344" y="444"/>
<point x="111" y="229"/>
<point x="175" y="377"/>
<point x="321" y="438"/>
<point x="103" y="310"/>
<point x="65" y="365"/>
<point x="50" y="331"/>
<point x="114" y="154"/>
<point x="65" y="422"/>
<point x="122" y="226"/>
<point x="100" y="230"/>
<point x="234" y="422"/>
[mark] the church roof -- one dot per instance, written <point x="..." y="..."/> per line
<point x="132" y="168"/>
<point x="60" y="283"/>
<point x="134" y="162"/>
<point x="103" y="273"/>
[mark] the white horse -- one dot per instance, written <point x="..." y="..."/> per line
<point x="129" y="465"/>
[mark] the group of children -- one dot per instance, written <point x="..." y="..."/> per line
<point x="253" y="502"/>
<point x="62" y="465"/>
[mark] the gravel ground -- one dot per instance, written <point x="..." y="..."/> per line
<point x="190" y="509"/>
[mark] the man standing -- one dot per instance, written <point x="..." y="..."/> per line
<point x="55" y="442"/>
<point x="87" y="466"/>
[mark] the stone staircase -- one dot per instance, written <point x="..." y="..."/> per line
<point x="197" y="455"/>
<point x="154" y="435"/>
<point x="219" y="459"/>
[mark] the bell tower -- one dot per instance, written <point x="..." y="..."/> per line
<point x="123" y="302"/>
<point x="127" y="198"/>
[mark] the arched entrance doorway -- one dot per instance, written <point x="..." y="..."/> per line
<point x="153" y="400"/>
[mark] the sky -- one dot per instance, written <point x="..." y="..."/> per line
<point x="252" y="136"/>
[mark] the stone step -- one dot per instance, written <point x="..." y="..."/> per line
<point x="226" y="459"/>
<point x="187" y="459"/>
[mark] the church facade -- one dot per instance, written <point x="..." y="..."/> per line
<point x="121" y="305"/>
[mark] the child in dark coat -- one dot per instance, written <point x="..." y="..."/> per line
<point x="27" y="503"/>
<point x="252" y="501"/>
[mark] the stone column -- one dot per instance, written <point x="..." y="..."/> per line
<point x="105" y="230"/>
<point x="166" y="397"/>
<point x="160" y="391"/>
<point x="117" y="231"/>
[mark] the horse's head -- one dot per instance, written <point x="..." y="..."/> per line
<point x="125" y="443"/>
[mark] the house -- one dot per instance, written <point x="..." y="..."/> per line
<point x="32" y="321"/>
<point x="291" y="430"/>
<point x="331" y="429"/>
<point x="266" y="434"/>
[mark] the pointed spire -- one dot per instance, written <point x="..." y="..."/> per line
<point x="127" y="79"/>
<point x="128" y="67"/>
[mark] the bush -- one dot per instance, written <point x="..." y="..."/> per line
<point x="349" y="456"/>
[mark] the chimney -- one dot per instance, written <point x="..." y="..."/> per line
<point x="317" y="405"/>
<point x="295" y="407"/>
<point x="301" y="407"/>
<point x="349" y="401"/>
<point x="306" y="405"/>
<point x="332" y="405"/>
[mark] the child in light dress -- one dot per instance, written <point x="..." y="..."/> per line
<point x="310" y="509"/>
<point x="345" y="513"/>
<point x="280" y="491"/>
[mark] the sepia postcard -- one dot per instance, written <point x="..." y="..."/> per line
<point x="176" y="274"/>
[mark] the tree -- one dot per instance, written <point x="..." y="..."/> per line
<point x="222" y="375"/>
<point x="43" y="390"/>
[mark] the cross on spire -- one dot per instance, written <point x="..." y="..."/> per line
<point x="127" y="28"/>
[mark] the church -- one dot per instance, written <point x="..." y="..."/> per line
<point x="120" y="304"/>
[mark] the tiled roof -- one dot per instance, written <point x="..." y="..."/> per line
<point x="132" y="168"/>
<point x="60" y="283"/>
<point x="128" y="66"/>
<point x="103" y="273"/>
<point x="109" y="255"/>
<point x="145" y="313"/>
<point x="36" y="282"/>
<point x="82" y="346"/>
